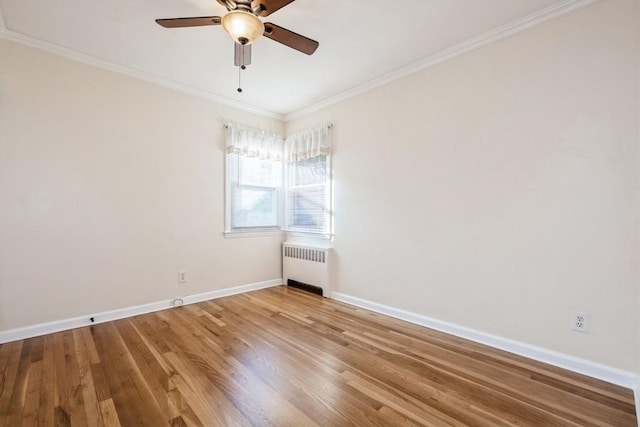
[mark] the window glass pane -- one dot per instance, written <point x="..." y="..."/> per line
<point x="254" y="207"/>
<point x="262" y="173"/>
<point x="310" y="171"/>
<point x="307" y="208"/>
<point x="253" y="190"/>
<point x="307" y="195"/>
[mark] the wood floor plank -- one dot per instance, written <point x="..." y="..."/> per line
<point x="18" y="398"/>
<point x="83" y="352"/>
<point x="280" y="356"/>
<point x="77" y="407"/>
<point x="47" y="391"/>
<point x="100" y="384"/>
<point x="109" y="413"/>
<point x="10" y="363"/>
<point x="32" y="398"/>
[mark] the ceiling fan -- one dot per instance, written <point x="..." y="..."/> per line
<point x="243" y="24"/>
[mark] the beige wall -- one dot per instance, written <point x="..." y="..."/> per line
<point x="498" y="190"/>
<point x="108" y="187"/>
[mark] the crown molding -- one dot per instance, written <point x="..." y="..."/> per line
<point x="491" y="36"/>
<point x="84" y="58"/>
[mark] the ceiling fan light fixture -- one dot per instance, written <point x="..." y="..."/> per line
<point x="243" y="27"/>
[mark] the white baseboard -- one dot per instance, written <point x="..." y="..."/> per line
<point x="107" y="316"/>
<point x="571" y="363"/>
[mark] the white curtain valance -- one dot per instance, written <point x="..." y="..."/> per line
<point x="250" y="142"/>
<point x="309" y="143"/>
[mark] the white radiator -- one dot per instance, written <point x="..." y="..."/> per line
<point x="306" y="264"/>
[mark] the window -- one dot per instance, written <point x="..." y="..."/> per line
<point x="254" y="187"/>
<point x="308" y="172"/>
<point x="254" y="181"/>
<point x="308" y="195"/>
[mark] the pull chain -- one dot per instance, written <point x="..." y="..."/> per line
<point x="240" y="78"/>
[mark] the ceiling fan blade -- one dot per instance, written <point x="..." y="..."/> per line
<point x="189" y="22"/>
<point x="269" y="6"/>
<point x="289" y="38"/>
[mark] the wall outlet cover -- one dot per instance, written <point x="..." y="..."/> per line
<point x="580" y="321"/>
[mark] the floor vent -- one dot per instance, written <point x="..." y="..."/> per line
<point x="305" y="287"/>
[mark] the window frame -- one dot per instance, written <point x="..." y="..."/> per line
<point x="327" y="233"/>
<point x="252" y="231"/>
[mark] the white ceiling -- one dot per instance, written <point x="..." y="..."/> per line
<point x="360" y="42"/>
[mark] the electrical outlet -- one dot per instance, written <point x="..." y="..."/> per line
<point x="182" y="276"/>
<point x="580" y="321"/>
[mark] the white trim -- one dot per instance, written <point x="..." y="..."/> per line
<point x="572" y="363"/>
<point x="309" y="235"/>
<point x="94" y="61"/>
<point x="252" y="233"/>
<point x="491" y="36"/>
<point x="326" y="234"/>
<point x="107" y="316"/>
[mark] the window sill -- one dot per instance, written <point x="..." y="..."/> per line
<point x="309" y="235"/>
<point x="251" y="233"/>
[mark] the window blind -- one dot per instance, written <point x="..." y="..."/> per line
<point x="307" y="195"/>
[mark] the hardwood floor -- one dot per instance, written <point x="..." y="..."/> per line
<point x="280" y="356"/>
